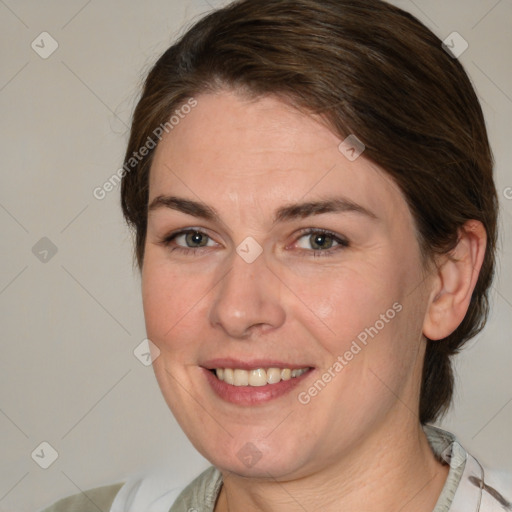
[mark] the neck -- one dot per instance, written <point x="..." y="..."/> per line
<point x="394" y="470"/>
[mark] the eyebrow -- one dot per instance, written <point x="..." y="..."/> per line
<point x="282" y="214"/>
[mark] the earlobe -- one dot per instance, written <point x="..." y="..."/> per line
<point x="455" y="279"/>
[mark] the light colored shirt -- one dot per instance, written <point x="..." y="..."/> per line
<point x="468" y="488"/>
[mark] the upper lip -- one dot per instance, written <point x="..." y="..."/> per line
<point x="252" y="364"/>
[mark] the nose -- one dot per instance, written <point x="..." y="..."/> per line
<point x="248" y="299"/>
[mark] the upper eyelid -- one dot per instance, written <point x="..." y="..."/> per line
<point x="175" y="234"/>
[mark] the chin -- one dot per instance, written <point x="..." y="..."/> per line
<point x="257" y="459"/>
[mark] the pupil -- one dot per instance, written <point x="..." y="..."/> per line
<point x="195" y="237"/>
<point x="319" y="240"/>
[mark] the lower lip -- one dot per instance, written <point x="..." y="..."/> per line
<point x="252" y="395"/>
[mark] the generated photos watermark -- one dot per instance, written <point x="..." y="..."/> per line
<point x="111" y="183"/>
<point x="343" y="360"/>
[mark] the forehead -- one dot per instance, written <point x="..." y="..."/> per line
<point x="260" y="153"/>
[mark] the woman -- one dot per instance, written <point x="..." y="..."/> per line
<point x="310" y="184"/>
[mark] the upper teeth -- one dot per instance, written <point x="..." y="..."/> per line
<point x="257" y="377"/>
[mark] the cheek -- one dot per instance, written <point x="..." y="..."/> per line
<point x="344" y="302"/>
<point x="367" y="316"/>
<point x="170" y="301"/>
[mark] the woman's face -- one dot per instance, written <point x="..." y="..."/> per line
<point x="255" y="282"/>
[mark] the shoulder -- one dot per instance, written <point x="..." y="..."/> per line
<point x="161" y="489"/>
<point x="497" y="489"/>
<point x="93" y="500"/>
<point x="470" y="485"/>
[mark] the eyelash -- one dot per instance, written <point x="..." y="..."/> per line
<point x="342" y="242"/>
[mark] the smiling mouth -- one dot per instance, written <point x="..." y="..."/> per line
<point x="257" y="377"/>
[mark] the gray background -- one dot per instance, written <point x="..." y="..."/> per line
<point x="70" y="323"/>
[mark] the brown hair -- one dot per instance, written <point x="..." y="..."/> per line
<point x="372" y="70"/>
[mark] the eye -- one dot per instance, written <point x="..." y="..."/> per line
<point x="314" y="242"/>
<point x="322" y="242"/>
<point x="187" y="240"/>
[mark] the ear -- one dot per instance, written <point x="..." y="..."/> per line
<point x="454" y="280"/>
